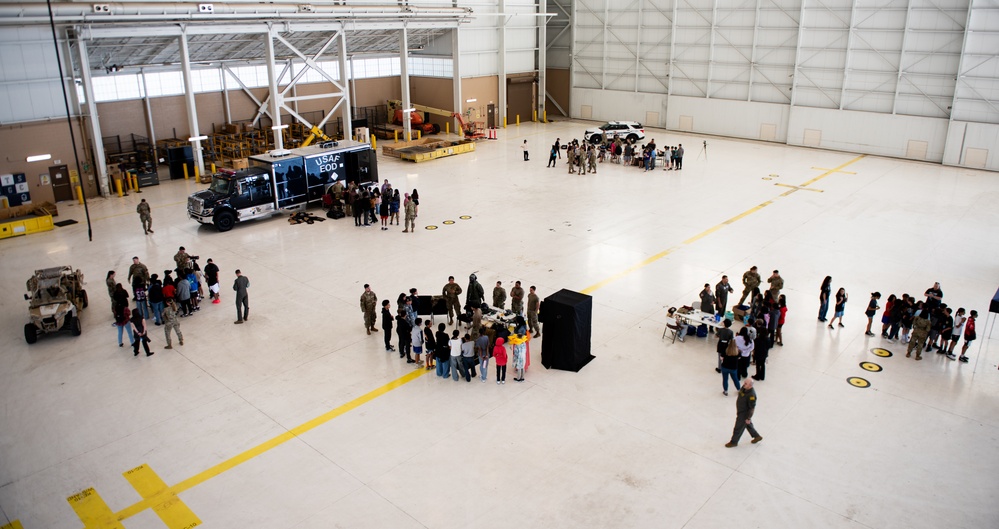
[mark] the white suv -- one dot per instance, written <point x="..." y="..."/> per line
<point x="629" y="130"/>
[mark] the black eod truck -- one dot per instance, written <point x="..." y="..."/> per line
<point x="281" y="181"/>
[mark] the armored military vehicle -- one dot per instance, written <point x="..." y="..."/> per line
<point x="57" y="297"/>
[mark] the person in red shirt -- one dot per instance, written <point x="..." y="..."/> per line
<point x="169" y="291"/>
<point x="782" y="304"/>
<point x="969" y="334"/>
<point x="499" y="355"/>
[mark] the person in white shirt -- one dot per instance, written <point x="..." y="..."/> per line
<point x="456" y="364"/>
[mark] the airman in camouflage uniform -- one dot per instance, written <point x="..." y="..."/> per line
<point x="499" y="295"/>
<point x="533" y="304"/>
<point x="750" y="282"/>
<point x="144" y="215"/>
<point x="368" y="302"/>
<point x="517" y="298"/>
<point x="171" y="322"/>
<point x="920" y="331"/>
<point x="451" y="291"/>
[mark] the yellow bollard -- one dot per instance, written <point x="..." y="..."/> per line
<point x="197" y="173"/>
<point x="135" y="181"/>
<point x="186" y="177"/>
<point x="534" y="116"/>
<point x="213" y="168"/>
<point x="374" y="142"/>
<point x="545" y="115"/>
<point x="396" y="133"/>
<point x="518" y="120"/>
<point x="419" y="133"/>
<point x="447" y="128"/>
<point x="117" y="185"/>
<point x="79" y="194"/>
<point x="504" y="122"/>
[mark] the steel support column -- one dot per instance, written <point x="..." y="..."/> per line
<point x="348" y="99"/>
<point x="711" y="47"/>
<point x="275" y="99"/>
<point x="638" y="44"/>
<point x="572" y="54"/>
<point x="849" y="46"/>
<point x="95" y="126"/>
<point x="407" y="126"/>
<point x="149" y="115"/>
<point x="192" y="109"/>
<point x="901" y="55"/>
<point x="501" y="66"/>
<point x="456" y="76"/>
<point x="672" y="52"/>
<point x="603" y="68"/>
<point x="542" y="58"/>
<point x="225" y="96"/>
<point x="796" y="73"/>
<point x="752" y="59"/>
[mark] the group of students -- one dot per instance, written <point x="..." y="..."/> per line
<point x="162" y="300"/>
<point x="586" y="156"/>
<point x="923" y="325"/>
<point x="736" y="352"/>
<point x="455" y="355"/>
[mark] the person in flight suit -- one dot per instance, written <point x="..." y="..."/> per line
<point x="451" y="291"/>
<point x="369" y="300"/>
<point x="745" y="406"/>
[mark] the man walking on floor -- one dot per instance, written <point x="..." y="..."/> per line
<point x="242" y="297"/>
<point x="145" y="216"/>
<point x="745" y="406"/>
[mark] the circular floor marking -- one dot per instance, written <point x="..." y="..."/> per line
<point x="431" y="227"/>
<point x="883" y="353"/>
<point x="870" y="366"/>
<point x="448" y="222"/>
<point x="465" y="217"/>
<point x="858" y="382"/>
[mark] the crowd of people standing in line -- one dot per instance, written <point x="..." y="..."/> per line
<point x="922" y="325"/>
<point x="456" y="355"/>
<point x="584" y="157"/>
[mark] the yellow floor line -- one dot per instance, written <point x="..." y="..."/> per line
<point x="96" y="514"/>
<point x="713" y="229"/>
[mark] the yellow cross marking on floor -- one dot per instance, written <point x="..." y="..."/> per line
<point x="832" y="170"/>
<point x="16" y="524"/>
<point x="799" y="188"/>
<point x="93" y="512"/>
<point x="161" y="498"/>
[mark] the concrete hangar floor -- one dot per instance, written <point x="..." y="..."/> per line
<point x="298" y="419"/>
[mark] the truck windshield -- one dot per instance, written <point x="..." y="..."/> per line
<point x="221" y="185"/>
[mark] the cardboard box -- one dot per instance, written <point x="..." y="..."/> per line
<point x="740" y="311"/>
<point x="240" y="163"/>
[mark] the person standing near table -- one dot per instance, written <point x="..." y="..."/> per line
<point x="707" y="299"/>
<point x="745" y="344"/>
<point x="722" y="290"/>
<point x="750" y="282"/>
<point x="533" y="306"/>
<point x="745" y="407"/>
<point x="240" y="285"/>
<point x="475" y="295"/>
<point x="499" y="296"/>
<point x="517" y="298"/>
<point x="451" y="291"/>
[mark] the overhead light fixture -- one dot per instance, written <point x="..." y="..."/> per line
<point x="39" y="157"/>
<point x="471" y="100"/>
<point x="197" y="138"/>
<point x="279" y="127"/>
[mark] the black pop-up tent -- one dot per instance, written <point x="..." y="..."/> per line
<point x="565" y="343"/>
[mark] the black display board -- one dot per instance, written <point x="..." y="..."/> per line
<point x="566" y="340"/>
<point x="430" y="305"/>
<point x="994" y="305"/>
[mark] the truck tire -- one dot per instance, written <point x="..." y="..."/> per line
<point x="224" y="221"/>
<point x="30" y="333"/>
<point x="75" y="326"/>
<point x="632" y="137"/>
<point x="86" y="300"/>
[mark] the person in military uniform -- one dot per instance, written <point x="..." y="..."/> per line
<point x="745" y="406"/>
<point x="570" y="153"/>
<point x="517" y="298"/>
<point x="183" y="261"/>
<point x="533" y="304"/>
<point x="171" y="322"/>
<point x="499" y="295"/>
<point x="138" y="274"/>
<point x="451" y="291"/>
<point x="144" y="216"/>
<point x="410" y="206"/>
<point x="475" y="295"/>
<point x="369" y="300"/>
<point x="920" y="331"/>
<point x="750" y="282"/>
<point x="591" y="159"/>
<point x="776" y="284"/>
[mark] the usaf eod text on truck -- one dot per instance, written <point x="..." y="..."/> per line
<point x="279" y="181"/>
